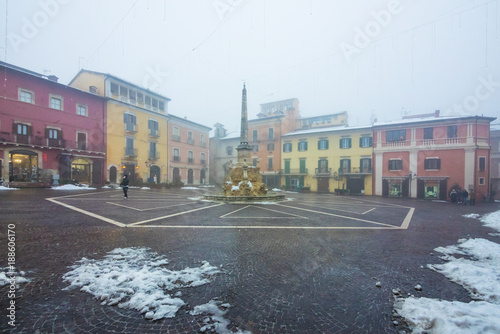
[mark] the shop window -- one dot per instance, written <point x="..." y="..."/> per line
<point x="24" y="166"/>
<point x="431" y="191"/>
<point x="395" y="189"/>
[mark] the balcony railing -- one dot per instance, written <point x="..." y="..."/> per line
<point x="130" y="152"/>
<point x="399" y="143"/>
<point x="190" y="160"/>
<point x="203" y="144"/>
<point x="203" y="162"/>
<point x="354" y="170"/>
<point x="190" y="141"/>
<point x="154" y="155"/>
<point x="129" y="127"/>
<point x="176" y="138"/>
<point x="66" y="145"/>
<point x="177" y="158"/>
<point x="323" y="171"/>
<point x="294" y="171"/>
<point x="154" y="133"/>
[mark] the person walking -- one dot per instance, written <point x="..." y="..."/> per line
<point x="124" y="185"/>
<point x="465" y="194"/>
<point x="472" y="197"/>
<point x="453" y="196"/>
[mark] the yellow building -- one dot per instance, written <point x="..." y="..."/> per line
<point x="329" y="159"/>
<point x="137" y="123"/>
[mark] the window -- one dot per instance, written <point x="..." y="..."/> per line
<point x="254" y="135"/>
<point x="428" y="133"/>
<point x="482" y="164"/>
<point x="175" y="134"/>
<point x="155" y="103"/>
<point x="287" y="166"/>
<point x="323" y="144"/>
<point x="270" y="164"/>
<point x="190" y="137"/>
<point x="132" y="95"/>
<point x="56" y="103"/>
<point x="287" y="147"/>
<point x="176" y="155"/>
<point x="202" y="158"/>
<point x="123" y="92"/>
<point x="202" y="140"/>
<point x="255" y="148"/>
<point x="322" y="166"/>
<point x="302" y="146"/>
<point x="81" y="110"/>
<point x="22" y="129"/>
<point x="114" y="89"/>
<point x="81" y="139"/>
<point x="161" y="105"/>
<point x="140" y="98"/>
<point x="270" y="147"/>
<point x="345" y="143"/>
<point x="53" y="137"/>
<point x="22" y="132"/>
<point x="345" y="166"/>
<point x="190" y="157"/>
<point x="152" y="150"/>
<point x="130" y="121"/>
<point x="52" y="133"/>
<point x="25" y="96"/>
<point x="153" y="128"/>
<point x="395" y="135"/>
<point x="365" y="142"/>
<point x="229" y="150"/>
<point x="148" y="101"/>
<point x="271" y="133"/>
<point x="432" y="164"/>
<point x="302" y="166"/>
<point x="452" y="131"/>
<point x="396" y="164"/>
<point x="254" y="162"/>
<point x="365" y="165"/>
<point x="482" y="181"/>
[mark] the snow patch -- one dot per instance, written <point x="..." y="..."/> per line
<point x="145" y="188"/>
<point x="189" y="188"/>
<point x="6" y="275"/>
<point x="7" y="188"/>
<point x="492" y="220"/>
<point x="215" y="320"/>
<point x="136" y="278"/>
<point x="73" y="187"/>
<point x="471" y="215"/>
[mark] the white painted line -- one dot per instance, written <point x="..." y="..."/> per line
<point x="111" y="221"/>
<point x="331" y="214"/>
<point x="294" y="216"/>
<point x="123" y="206"/>
<point x="155" y="208"/>
<point x="286" y="213"/>
<point x="227" y="214"/>
<point x="173" y="215"/>
<point x="407" y="220"/>
<point x="321" y="207"/>
<point x="368" y="211"/>
<point x="271" y="227"/>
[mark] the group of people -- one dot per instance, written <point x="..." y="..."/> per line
<point x="461" y="196"/>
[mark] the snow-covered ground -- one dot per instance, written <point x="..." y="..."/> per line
<point x="137" y="278"/>
<point x="189" y="188"/>
<point x="6" y="274"/>
<point x="73" y="187"/>
<point x="7" y="188"/>
<point x="474" y="264"/>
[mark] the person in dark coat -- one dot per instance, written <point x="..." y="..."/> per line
<point x="472" y="197"/>
<point x="465" y="194"/>
<point x="453" y="196"/>
<point x="124" y="185"/>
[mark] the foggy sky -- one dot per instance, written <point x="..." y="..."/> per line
<point x="365" y="57"/>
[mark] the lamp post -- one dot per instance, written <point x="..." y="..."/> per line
<point x="411" y="176"/>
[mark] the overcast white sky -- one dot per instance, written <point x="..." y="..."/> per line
<point x="367" y="57"/>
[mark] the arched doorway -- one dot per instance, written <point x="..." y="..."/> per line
<point x="154" y="174"/>
<point x="190" y="176"/>
<point x="81" y="170"/>
<point x="112" y="174"/>
<point x="176" y="175"/>
<point x="202" y="176"/>
<point x="24" y="166"/>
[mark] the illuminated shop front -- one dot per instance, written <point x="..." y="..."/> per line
<point x="23" y="166"/>
<point x="81" y="170"/>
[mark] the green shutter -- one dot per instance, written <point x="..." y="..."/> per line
<point x="327" y="144"/>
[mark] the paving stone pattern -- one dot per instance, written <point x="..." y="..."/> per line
<point x="276" y="280"/>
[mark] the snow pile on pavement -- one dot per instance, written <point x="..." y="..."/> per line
<point x="7" y="188"/>
<point x="477" y="269"/>
<point x="189" y="188"/>
<point x="208" y="186"/>
<point x="471" y="215"/>
<point x="73" y="187"/>
<point x="7" y="274"/>
<point x="136" y="278"/>
<point x="215" y="320"/>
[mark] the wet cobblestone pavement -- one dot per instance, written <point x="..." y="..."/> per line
<point x="277" y="278"/>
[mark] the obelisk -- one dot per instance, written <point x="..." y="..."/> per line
<point x="244" y="150"/>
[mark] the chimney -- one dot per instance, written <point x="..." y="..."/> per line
<point x="436" y="113"/>
<point x="93" y="89"/>
<point x="53" y="78"/>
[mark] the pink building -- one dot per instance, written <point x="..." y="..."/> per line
<point x="188" y="151"/>
<point x="49" y="131"/>
<point x="425" y="157"/>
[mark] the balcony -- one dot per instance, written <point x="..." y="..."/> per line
<point x="398" y="143"/>
<point x="323" y="172"/>
<point x="190" y="141"/>
<point x="154" y="155"/>
<point x="176" y="138"/>
<point x="203" y="162"/>
<point x="154" y="133"/>
<point x="355" y="171"/>
<point x="51" y="143"/>
<point x="190" y="160"/>
<point x="130" y="128"/>
<point x="297" y="171"/>
<point x="177" y="158"/>
<point x="203" y="144"/>
<point x="130" y="152"/>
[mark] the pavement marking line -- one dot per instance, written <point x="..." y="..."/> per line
<point x="173" y="215"/>
<point x="368" y="211"/>
<point x="159" y="207"/>
<point x="227" y="214"/>
<point x="111" y="221"/>
<point x="84" y="194"/>
<point x="331" y="214"/>
<point x="270" y="227"/>
<point x="294" y="216"/>
<point x="317" y="206"/>
<point x="407" y="220"/>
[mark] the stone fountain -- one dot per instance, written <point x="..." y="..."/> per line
<point x="244" y="183"/>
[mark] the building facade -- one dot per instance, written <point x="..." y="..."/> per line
<point x="136" y="127"/>
<point x="495" y="160"/>
<point x="49" y="131"/>
<point x="423" y="158"/>
<point x="330" y="159"/>
<point x="223" y="153"/>
<point x="188" y="147"/>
